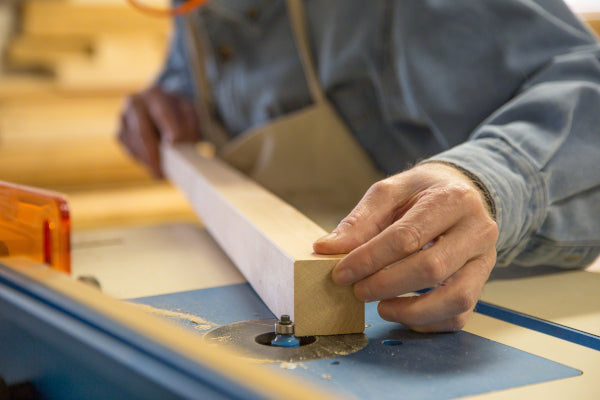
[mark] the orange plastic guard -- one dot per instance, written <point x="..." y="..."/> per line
<point x="35" y="223"/>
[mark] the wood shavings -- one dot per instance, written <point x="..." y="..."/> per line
<point x="199" y="323"/>
<point x="288" y="365"/>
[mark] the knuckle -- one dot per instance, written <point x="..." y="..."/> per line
<point x="350" y="221"/>
<point x="382" y="188"/>
<point x="435" y="267"/>
<point x="490" y="230"/>
<point x="468" y="194"/>
<point x="460" y="193"/>
<point x="406" y="239"/>
<point x="464" y="195"/>
<point x="133" y="101"/>
<point x="463" y="301"/>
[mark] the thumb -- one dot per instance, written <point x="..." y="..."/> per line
<point x="371" y="215"/>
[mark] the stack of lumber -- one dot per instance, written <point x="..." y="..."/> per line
<point x="59" y="141"/>
<point x="58" y="128"/>
<point x="89" y="44"/>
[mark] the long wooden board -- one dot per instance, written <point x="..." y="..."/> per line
<point x="269" y="241"/>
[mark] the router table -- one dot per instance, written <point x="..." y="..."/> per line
<point x="178" y="273"/>
<point x="192" y="327"/>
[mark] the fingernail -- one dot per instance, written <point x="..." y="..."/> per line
<point x="344" y="276"/>
<point x="329" y="237"/>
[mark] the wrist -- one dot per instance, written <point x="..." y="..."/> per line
<point x="484" y="192"/>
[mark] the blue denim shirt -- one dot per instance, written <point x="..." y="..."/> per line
<point x="507" y="89"/>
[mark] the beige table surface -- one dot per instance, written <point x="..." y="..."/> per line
<point x="146" y="260"/>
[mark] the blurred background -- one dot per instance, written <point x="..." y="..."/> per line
<point x="65" y="68"/>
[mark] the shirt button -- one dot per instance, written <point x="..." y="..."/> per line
<point x="225" y="52"/>
<point x="252" y="13"/>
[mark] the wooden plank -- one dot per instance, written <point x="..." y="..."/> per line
<point x="43" y="17"/>
<point x="269" y="241"/>
<point x="257" y="379"/>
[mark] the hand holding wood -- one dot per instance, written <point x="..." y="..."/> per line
<point x="425" y="227"/>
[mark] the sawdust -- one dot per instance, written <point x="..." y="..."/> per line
<point x="199" y="323"/>
<point x="326" y="376"/>
<point x="288" y="365"/>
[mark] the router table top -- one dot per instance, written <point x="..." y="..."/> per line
<point x="166" y="264"/>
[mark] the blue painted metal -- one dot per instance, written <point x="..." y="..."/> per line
<point x="396" y="363"/>
<point x="536" y="324"/>
<point x="285" y="341"/>
<point x="69" y="352"/>
<point x="539" y="325"/>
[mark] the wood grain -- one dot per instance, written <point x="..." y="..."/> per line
<point x="269" y="241"/>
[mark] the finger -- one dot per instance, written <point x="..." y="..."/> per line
<point x="452" y="324"/>
<point x="434" y="212"/>
<point x="429" y="267"/>
<point x="447" y="303"/>
<point x="191" y="126"/>
<point x="141" y="135"/>
<point x="163" y="110"/>
<point x="375" y="211"/>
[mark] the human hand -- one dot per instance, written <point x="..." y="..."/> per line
<point x="154" y="115"/>
<point x="426" y="227"/>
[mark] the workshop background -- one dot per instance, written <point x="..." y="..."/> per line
<point x="65" y="69"/>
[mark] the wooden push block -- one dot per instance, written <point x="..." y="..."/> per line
<point x="269" y="241"/>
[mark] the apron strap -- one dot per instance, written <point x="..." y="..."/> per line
<point x="299" y="26"/>
<point x="196" y="46"/>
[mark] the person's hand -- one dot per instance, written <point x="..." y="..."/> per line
<point x="154" y="115"/>
<point x="426" y="227"/>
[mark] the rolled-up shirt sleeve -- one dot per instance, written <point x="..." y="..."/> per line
<point x="538" y="154"/>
